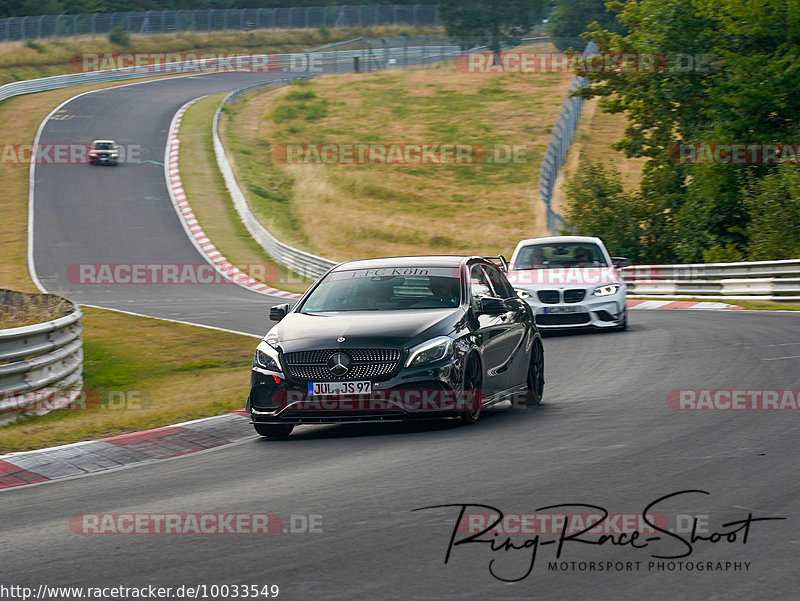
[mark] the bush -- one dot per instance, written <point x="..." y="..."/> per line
<point x="120" y="36"/>
<point x="773" y="205"/>
<point x="631" y="225"/>
<point x="316" y="110"/>
<point x="34" y="45"/>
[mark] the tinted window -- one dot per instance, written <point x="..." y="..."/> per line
<point x="384" y="290"/>
<point x="478" y="284"/>
<point x="499" y="282"/>
<point x="547" y="256"/>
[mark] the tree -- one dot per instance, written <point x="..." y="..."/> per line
<point x="490" y="22"/>
<point x="725" y="73"/>
<point x="571" y="18"/>
<point x="630" y="225"/>
<point x="773" y="204"/>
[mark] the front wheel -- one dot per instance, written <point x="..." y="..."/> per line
<point x="471" y="391"/>
<point x="274" y="430"/>
<point x="535" y="379"/>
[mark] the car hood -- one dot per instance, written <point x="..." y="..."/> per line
<point x="566" y="276"/>
<point x="363" y="329"/>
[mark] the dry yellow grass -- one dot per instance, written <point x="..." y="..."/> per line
<point x="592" y="143"/>
<point x="43" y="58"/>
<point x="346" y="212"/>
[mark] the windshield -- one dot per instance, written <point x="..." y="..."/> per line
<point x="104" y="146"/>
<point x="552" y="255"/>
<point x="374" y="290"/>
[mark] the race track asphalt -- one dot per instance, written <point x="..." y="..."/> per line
<point x="605" y="436"/>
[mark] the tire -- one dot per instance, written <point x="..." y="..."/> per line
<point x="535" y="380"/>
<point x="274" y="430"/>
<point x="473" y="378"/>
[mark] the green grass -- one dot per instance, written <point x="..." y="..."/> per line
<point x="167" y="373"/>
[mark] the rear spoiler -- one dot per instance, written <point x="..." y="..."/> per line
<point x="499" y="260"/>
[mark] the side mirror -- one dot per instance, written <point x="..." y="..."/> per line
<point x="278" y="312"/>
<point x="492" y="306"/>
<point x="620" y="262"/>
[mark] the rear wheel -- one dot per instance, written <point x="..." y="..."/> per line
<point x="471" y="390"/>
<point x="536" y="374"/>
<point x="274" y="430"/>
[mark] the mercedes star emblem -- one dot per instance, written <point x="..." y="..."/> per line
<point x="339" y="364"/>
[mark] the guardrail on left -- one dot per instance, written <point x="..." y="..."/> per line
<point x="41" y="365"/>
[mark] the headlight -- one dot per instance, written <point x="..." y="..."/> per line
<point x="267" y="357"/>
<point x="523" y="294"/>
<point x="606" y="290"/>
<point x="114" y="155"/>
<point x="432" y="350"/>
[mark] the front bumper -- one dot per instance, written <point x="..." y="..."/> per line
<point x="409" y="394"/>
<point x="592" y="312"/>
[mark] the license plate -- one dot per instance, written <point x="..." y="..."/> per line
<point x="548" y="310"/>
<point x="336" y="388"/>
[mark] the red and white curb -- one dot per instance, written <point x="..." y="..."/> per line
<point x="125" y="450"/>
<point x="669" y="304"/>
<point x="192" y="226"/>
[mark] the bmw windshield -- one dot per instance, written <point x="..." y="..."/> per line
<point x="385" y="290"/>
<point x="550" y="256"/>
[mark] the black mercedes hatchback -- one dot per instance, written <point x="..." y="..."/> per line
<point x="381" y="340"/>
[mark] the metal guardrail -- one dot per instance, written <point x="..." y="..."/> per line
<point x="41" y="365"/>
<point x="295" y="259"/>
<point x="241" y="19"/>
<point x="768" y="280"/>
<point x="55" y="82"/>
<point x="560" y="140"/>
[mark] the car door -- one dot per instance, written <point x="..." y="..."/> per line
<point x="492" y="332"/>
<point x="517" y="330"/>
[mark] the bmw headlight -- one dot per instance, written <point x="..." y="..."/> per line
<point x="606" y="290"/>
<point x="435" y="349"/>
<point x="523" y="294"/>
<point x="267" y="357"/>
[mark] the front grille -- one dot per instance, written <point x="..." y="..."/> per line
<point x="575" y="295"/>
<point x="562" y="319"/>
<point x="367" y="364"/>
<point x="551" y="297"/>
